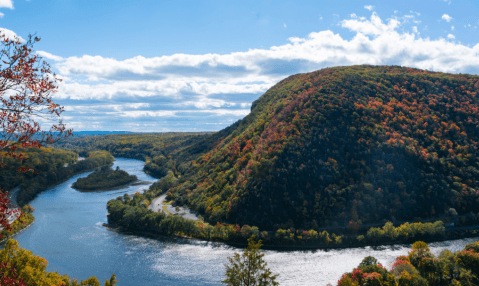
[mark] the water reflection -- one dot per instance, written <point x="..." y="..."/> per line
<point x="68" y="232"/>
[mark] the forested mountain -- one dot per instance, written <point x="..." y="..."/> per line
<point x="359" y="143"/>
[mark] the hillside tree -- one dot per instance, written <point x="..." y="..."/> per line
<point x="27" y="85"/>
<point x="249" y="269"/>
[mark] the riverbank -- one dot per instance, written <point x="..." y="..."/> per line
<point x="23" y="222"/>
<point x="283" y="239"/>
<point x="155" y="219"/>
<point x="150" y="209"/>
<point x="42" y="182"/>
<point x="159" y="205"/>
<point x="32" y="189"/>
<point x="347" y="241"/>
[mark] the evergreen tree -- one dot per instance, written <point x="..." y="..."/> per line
<point x="249" y="269"/>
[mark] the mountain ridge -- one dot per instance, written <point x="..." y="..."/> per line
<point x="342" y="144"/>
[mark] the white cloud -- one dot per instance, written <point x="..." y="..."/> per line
<point x="1" y="15"/>
<point x="452" y="28"/>
<point x="136" y="114"/>
<point x="369" y="7"/>
<point x="174" y="113"/>
<point x="370" y="27"/>
<point x="6" y="4"/>
<point x="284" y="25"/>
<point x="254" y="71"/>
<point x="451" y="36"/>
<point x="447" y="17"/>
<point x="10" y="34"/>
<point x="225" y="85"/>
<point x="49" y="56"/>
<point x="172" y="89"/>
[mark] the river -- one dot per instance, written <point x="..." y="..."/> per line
<point x="68" y="232"/>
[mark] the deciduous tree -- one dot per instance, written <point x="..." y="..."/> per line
<point x="26" y="88"/>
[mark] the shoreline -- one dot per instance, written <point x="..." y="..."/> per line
<point x="18" y="189"/>
<point x="350" y="241"/>
<point x="286" y="247"/>
<point x="19" y="231"/>
<point x="44" y="188"/>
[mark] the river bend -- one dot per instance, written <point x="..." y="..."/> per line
<point x="68" y="232"/>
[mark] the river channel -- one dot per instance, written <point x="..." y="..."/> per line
<point x="68" y="232"/>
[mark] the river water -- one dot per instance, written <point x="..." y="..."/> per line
<point x="68" y="232"/>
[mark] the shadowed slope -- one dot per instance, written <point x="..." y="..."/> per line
<point x="362" y="143"/>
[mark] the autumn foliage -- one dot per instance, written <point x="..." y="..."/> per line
<point x="419" y="267"/>
<point x="26" y="88"/>
<point x="19" y="266"/>
<point x="349" y="144"/>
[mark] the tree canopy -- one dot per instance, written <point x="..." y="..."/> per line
<point x="359" y="143"/>
<point x="419" y="267"/>
<point x="104" y="178"/>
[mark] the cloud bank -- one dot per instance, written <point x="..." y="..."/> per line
<point x="6" y="4"/>
<point x="211" y="91"/>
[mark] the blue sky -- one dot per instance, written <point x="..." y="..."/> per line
<point x="155" y="66"/>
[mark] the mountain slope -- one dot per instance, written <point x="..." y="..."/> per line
<point x="361" y="143"/>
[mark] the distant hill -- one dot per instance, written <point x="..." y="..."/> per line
<point x="92" y="133"/>
<point x="361" y="143"/>
<point x="156" y="149"/>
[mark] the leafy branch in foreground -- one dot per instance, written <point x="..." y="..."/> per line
<point x="249" y="268"/>
<point x="26" y="88"/>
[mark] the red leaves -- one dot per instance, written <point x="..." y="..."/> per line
<point x="9" y="275"/>
<point x="26" y="90"/>
<point x="5" y="211"/>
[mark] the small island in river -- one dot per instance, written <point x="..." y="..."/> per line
<point x="104" y="178"/>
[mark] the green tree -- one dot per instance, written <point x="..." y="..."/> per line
<point x="418" y="252"/>
<point x="249" y="268"/>
<point x="112" y="281"/>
